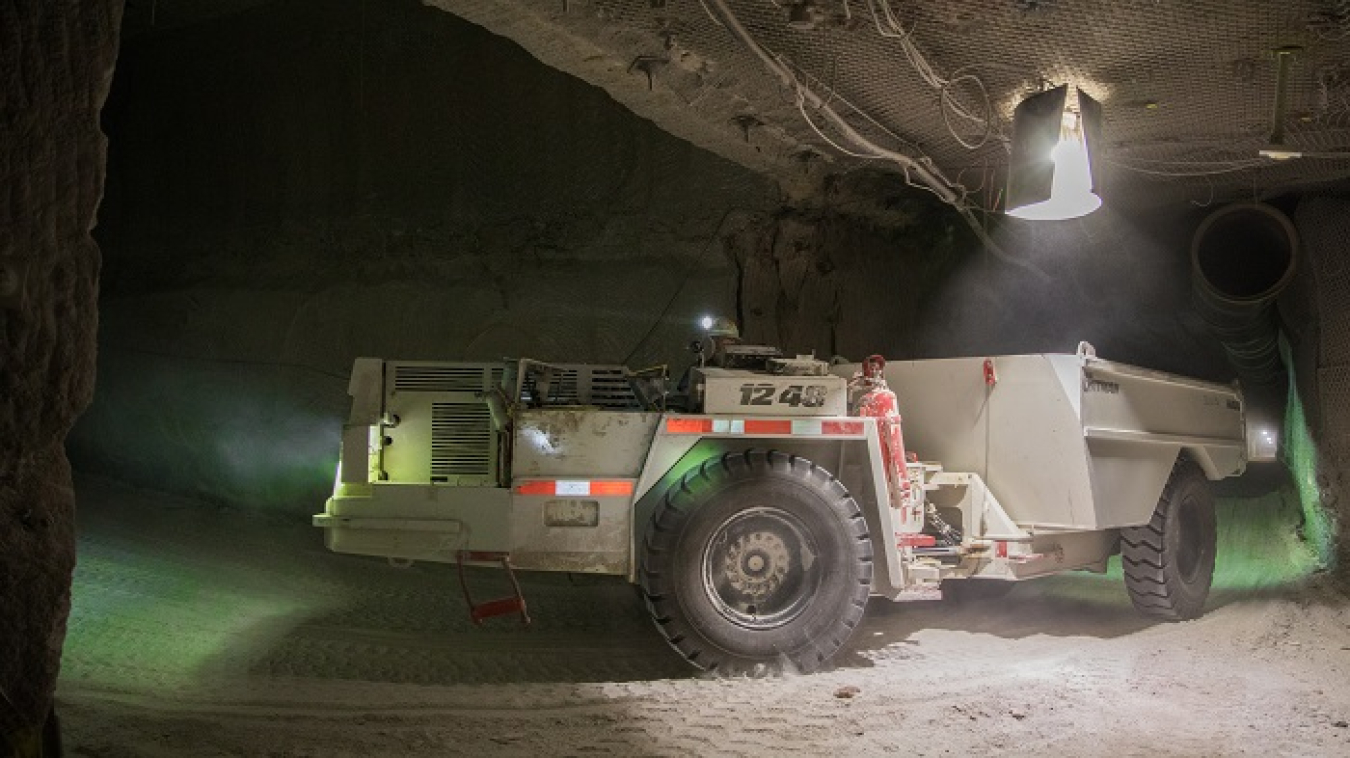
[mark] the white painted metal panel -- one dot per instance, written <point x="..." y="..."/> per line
<point x="1038" y="463"/>
<point x="731" y="391"/>
<point x="1066" y="441"/>
<point x="419" y="522"/>
<point x="581" y="444"/>
<point x="945" y="410"/>
<point x="598" y="546"/>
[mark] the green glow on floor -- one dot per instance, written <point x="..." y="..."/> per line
<point x="201" y="623"/>
<point x="1259" y="544"/>
<point x="1300" y="456"/>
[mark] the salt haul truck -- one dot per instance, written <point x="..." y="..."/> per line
<point x="760" y="509"/>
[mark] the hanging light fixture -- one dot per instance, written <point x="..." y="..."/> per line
<point x="1050" y="174"/>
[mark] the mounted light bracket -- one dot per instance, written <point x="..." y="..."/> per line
<point x="1051" y="173"/>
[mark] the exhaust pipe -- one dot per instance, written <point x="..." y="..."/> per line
<point x="1242" y="257"/>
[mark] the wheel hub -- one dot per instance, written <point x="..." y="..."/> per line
<point x="761" y="568"/>
<point x="757" y="563"/>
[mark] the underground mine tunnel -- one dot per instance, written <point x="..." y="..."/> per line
<point x="725" y="377"/>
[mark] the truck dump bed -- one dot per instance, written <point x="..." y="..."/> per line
<point x="1066" y="441"/>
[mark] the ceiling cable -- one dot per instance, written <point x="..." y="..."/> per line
<point x="891" y="29"/>
<point x="1228" y="169"/>
<point x="935" y="180"/>
<point x="835" y="95"/>
<point x="930" y="177"/>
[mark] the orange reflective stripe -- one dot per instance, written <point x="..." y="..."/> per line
<point x="768" y="426"/>
<point x="535" y="488"/>
<point x="688" y="425"/>
<point x="576" y="488"/>
<point x="611" y="489"/>
<point x="778" y="426"/>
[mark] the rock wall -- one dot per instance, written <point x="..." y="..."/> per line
<point x="921" y="286"/>
<point x="56" y="60"/>
<point x="299" y="185"/>
<point x="302" y="184"/>
<point x="1316" y="313"/>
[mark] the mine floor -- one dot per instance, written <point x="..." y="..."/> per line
<point x="204" y="631"/>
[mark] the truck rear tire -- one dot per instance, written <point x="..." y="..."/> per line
<point x="757" y="559"/>
<point x="1169" y="562"/>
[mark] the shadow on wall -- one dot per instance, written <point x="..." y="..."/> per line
<point x="925" y="288"/>
<point x="298" y="185"/>
<point x="1121" y="282"/>
<point x="239" y="396"/>
<point x="235" y="433"/>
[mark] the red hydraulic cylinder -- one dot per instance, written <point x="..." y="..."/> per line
<point x="880" y="403"/>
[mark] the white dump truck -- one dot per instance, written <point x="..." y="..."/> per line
<point x="759" y="505"/>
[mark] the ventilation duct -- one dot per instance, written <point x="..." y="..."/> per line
<point x="1242" y="257"/>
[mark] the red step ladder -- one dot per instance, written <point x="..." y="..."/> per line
<point x="500" y="607"/>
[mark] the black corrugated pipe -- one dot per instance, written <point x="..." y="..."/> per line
<point x="1242" y="256"/>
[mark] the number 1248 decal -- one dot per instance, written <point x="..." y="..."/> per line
<point x="794" y="395"/>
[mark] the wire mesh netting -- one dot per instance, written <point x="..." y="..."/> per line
<point x="1324" y="225"/>
<point x="1189" y="88"/>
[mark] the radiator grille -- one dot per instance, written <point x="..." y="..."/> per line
<point x="414" y="378"/>
<point x="461" y="440"/>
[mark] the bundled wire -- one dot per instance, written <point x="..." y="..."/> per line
<point x="919" y="172"/>
<point x="888" y="26"/>
<point x="1200" y="168"/>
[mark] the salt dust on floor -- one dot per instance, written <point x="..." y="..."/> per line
<point x="198" y="631"/>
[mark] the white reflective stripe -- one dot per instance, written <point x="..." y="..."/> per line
<point x="806" y="426"/>
<point x="572" y="487"/>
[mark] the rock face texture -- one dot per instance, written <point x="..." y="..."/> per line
<point x="301" y="184"/>
<point x="1316" y="321"/>
<point x="56" y="62"/>
<point x="298" y="185"/>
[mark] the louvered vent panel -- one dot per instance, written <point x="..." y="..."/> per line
<point x="564" y="390"/>
<point x="561" y="391"/>
<point x="609" y="389"/>
<point x="461" y="440"/>
<point x="412" y="378"/>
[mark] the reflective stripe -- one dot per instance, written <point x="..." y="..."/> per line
<point x="611" y="489"/>
<point x="728" y="426"/>
<point x="780" y="427"/>
<point x="689" y="425"/>
<point x="576" y="488"/>
<point x="767" y="426"/>
<point x="535" y="488"/>
<point x="568" y="487"/>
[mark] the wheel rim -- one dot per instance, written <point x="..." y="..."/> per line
<point x="761" y="568"/>
<point x="1188" y="549"/>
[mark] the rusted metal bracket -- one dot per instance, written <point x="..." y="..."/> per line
<point x="500" y="607"/>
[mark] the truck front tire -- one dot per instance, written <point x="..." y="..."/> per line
<point x="757" y="559"/>
<point x="1169" y="562"/>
